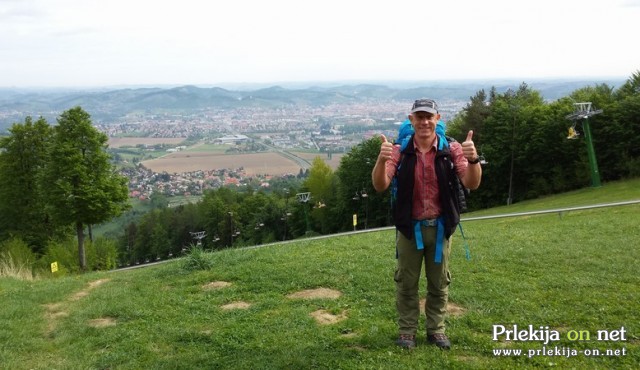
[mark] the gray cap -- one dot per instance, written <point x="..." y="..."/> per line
<point x="425" y="105"/>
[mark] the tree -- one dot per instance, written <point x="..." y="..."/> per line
<point x="22" y="158"/>
<point x="354" y="176"/>
<point x="82" y="187"/>
<point x="626" y="113"/>
<point x="319" y="180"/>
<point x="472" y="117"/>
<point x="321" y="185"/>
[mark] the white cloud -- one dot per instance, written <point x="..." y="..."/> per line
<point x="75" y="42"/>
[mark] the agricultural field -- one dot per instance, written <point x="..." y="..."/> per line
<point x="253" y="164"/>
<point x="202" y="156"/>
<point x="211" y="148"/>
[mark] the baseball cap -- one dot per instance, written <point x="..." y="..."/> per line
<point x="425" y="105"/>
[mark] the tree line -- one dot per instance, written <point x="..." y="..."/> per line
<point x="525" y="140"/>
<point x="522" y="137"/>
<point x="55" y="181"/>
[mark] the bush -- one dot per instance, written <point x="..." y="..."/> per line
<point x="19" y="250"/>
<point x="197" y="259"/>
<point x="16" y="259"/>
<point x="102" y="254"/>
<point x="65" y="253"/>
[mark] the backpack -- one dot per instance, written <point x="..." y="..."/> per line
<point x="405" y="131"/>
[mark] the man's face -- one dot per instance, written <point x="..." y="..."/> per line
<point x="424" y="124"/>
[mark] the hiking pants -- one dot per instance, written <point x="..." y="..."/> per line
<point x="407" y="278"/>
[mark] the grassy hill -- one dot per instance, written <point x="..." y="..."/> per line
<point x="573" y="273"/>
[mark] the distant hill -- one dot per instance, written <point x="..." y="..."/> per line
<point x="109" y="105"/>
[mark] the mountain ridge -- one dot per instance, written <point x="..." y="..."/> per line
<point x="107" y="105"/>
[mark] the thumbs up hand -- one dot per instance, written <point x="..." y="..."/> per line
<point x="386" y="149"/>
<point x="469" y="148"/>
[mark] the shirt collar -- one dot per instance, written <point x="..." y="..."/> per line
<point x="434" y="146"/>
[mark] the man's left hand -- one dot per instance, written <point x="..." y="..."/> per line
<point x="469" y="148"/>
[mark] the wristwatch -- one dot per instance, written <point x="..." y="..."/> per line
<point x="477" y="160"/>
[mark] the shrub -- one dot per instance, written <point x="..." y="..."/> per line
<point x="16" y="259"/>
<point x="197" y="259"/>
<point x="102" y="254"/>
<point x="65" y="253"/>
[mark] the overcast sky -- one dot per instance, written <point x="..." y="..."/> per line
<point x="86" y="43"/>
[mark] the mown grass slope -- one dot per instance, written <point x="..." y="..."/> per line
<point x="575" y="271"/>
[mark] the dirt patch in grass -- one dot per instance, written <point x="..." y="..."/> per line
<point x="216" y="285"/>
<point x="97" y="283"/>
<point x="102" y="322"/>
<point x="324" y="317"/>
<point x="453" y="309"/>
<point x="54" y="311"/>
<point x="319" y="293"/>
<point x="80" y="294"/>
<point x="57" y="314"/>
<point x="240" y="305"/>
<point x="85" y="292"/>
<point x="348" y="335"/>
<point x="52" y="307"/>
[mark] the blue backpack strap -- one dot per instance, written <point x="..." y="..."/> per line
<point x="466" y="245"/>
<point x="417" y="230"/>
<point x="404" y="134"/>
<point x="441" y="127"/>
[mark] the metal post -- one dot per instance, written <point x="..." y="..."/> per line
<point x="595" y="175"/>
<point x="365" y="196"/>
<point x="510" y="198"/>
<point x="286" y="213"/>
<point x="306" y="217"/>
<point x="511" y="94"/>
<point x="584" y="111"/>
<point x="366" y="211"/>
<point x="231" y="228"/>
<point x="304" y="199"/>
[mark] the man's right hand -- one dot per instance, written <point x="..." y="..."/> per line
<point x="379" y="179"/>
<point x="386" y="149"/>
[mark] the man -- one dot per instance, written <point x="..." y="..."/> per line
<point x="425" y="215"/>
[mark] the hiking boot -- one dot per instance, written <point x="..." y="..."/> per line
<point x="440" y="340"/>
<point x="406" y="341"/>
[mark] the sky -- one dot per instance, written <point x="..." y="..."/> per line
<point x="93" y="43"/>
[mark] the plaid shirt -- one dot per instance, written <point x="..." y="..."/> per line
<point x="426" y="199"/>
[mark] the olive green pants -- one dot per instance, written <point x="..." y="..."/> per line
<point x="407" y="277"/>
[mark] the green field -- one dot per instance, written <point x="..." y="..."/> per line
<point x="573" y="273"/>
<point x="142" y="154"/>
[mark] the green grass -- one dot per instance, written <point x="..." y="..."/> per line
<point x="178" y="200"/>
<point x="616" y="191"/>
<point x="128" y="153"/>
<point x="575" y="271"/>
